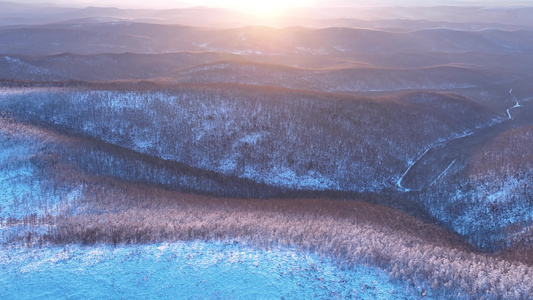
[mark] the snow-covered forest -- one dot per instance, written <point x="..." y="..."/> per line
<point x="329" y="159"/>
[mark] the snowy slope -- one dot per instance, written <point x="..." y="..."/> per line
<point x="196" y="270"/>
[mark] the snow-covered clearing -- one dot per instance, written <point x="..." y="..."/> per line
<point x="190" y="270"/>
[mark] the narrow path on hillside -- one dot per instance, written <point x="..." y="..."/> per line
<point x="443" y="172"/>
<point x="515" y="106"/>
<point x="421" y="157"/>
<point x="433" y="163"/>
<point x="399" y="182"/>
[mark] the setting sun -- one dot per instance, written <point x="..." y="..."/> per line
<point x="262" y="8"/>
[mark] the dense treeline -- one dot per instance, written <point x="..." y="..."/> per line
<point x="52" y="150"/>
<point x="262" y="134"/>
<point x="434" y="261"/>
<point x="214" y="141"/>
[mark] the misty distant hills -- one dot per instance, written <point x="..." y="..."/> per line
<point x="397" y="25"/>
<point x="393" y="18"/>
<point x="120" y="37"/>
<point x="102" y="67"/>
<point x="330" y="59"/>
<point x="196" y="68"/>
<point x="337" y="80"/>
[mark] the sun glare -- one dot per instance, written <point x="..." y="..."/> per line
<point x="265" y="8"/>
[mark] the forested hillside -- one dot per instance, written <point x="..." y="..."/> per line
<point x="262" y="134"/>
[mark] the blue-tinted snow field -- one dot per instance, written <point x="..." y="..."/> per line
<point x="195" y="270"/>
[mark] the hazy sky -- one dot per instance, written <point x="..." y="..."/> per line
<point x="269" y="8"/>
<point x="275" y="4"/>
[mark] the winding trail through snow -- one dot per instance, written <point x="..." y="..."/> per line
<point x="515" y="106"/>
<point x="413" y="163"/>
<point x="399" y="182"/>
<point x="437" y="159"/>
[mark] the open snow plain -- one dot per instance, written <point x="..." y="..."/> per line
<point x="186" y="270"/>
